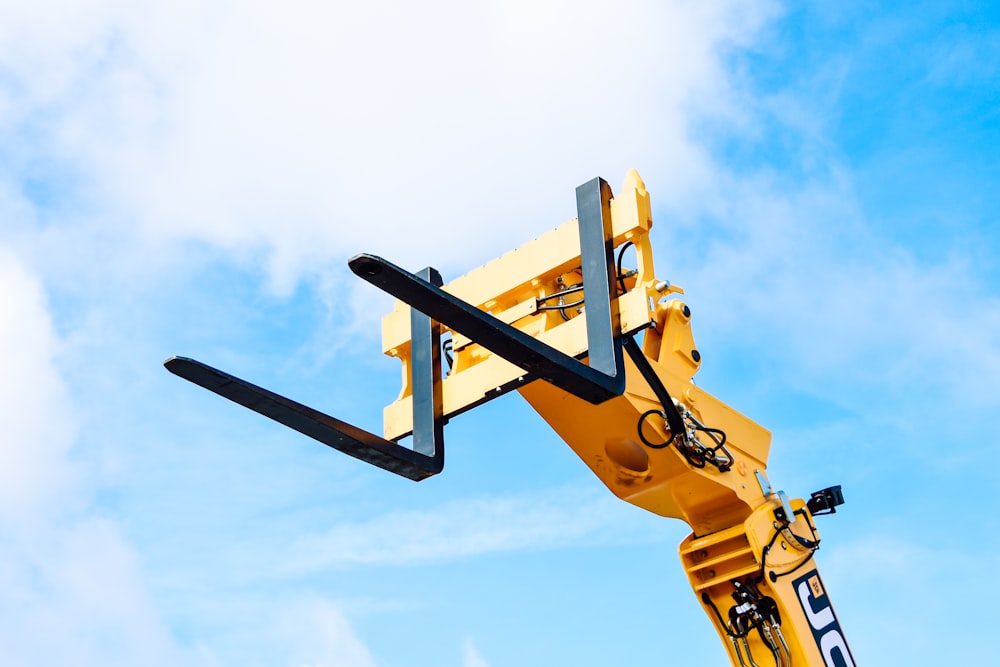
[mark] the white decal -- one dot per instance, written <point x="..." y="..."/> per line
<point x="831" y="641"/>
<point x="820" y="619"/>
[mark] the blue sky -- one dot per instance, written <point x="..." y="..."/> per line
<point x="191" y="178"/>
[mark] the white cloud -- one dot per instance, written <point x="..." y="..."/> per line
<point x="885" y="558"/>
<point x="439" y="133"/>
<point x="320" y="635"/>
<point x="79" y="587"/>
<point x="310" y="132"/>
<point x="292" y="135"/>
<point x="471" y="657"/>
<point x="38" y="421"/>
<point x="467" y="527"/>
<point x="67" y="577"/>
<point x="792" y="273"/>
<point x="882" y="587"/>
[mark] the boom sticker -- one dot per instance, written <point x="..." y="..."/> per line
<point x="822" y="621"/>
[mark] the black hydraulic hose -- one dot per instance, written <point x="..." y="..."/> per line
<point x="618" y="265"/>
<point x="674" y="420"/>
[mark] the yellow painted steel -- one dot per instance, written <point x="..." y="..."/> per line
<point x="738" y="536"/>
<point x="510" y="288"/>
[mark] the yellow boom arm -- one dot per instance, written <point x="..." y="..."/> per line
<point x="560" y="320"/>
<point x="748" y="558"/>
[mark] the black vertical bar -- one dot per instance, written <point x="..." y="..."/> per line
<point x="425" y="380"/>
<point x="593" y="207"/>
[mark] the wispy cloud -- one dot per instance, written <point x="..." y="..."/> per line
<point x="37" y="419"/>
<point x="346" y="144"/>
<point x="471" y="656"/>
<point x="283" y="140"/>
<point x="280" y="140"/>
<point x="67" y="574"/>
<point x="469" y="527"/>
<point x="795" y="278"/>
<point x="320" y="635"/>
<point x="881" y="586"/>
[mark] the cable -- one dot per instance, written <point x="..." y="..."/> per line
<point x="774" y="576"/>
<point x="562" y="306"/>
<point x="719" y="437"/>
<point x="620" y="276"/>
<point x="697" y="455"/>
<point x="812" y="545"/>
<point x="766" y="549"/>
<point x="560" y="293"/>
<point x="806" y="544"/>
<point x="618" y="265"/>
<point x="674" y="420"/>
<point x="648" y="443"/>
<point x="707" y="600"/>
